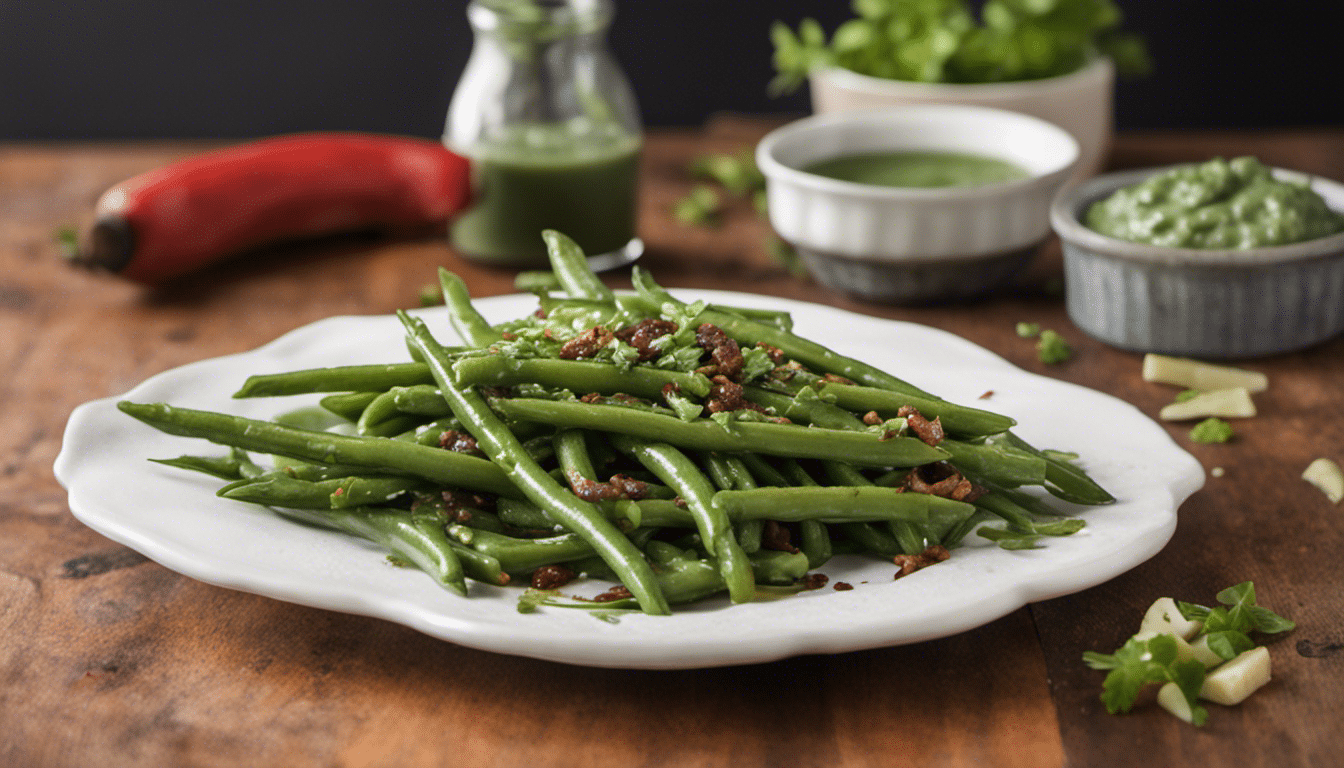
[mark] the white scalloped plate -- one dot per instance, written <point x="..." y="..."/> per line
<point x="175" y="518"/>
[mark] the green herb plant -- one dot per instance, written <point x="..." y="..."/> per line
<point x="942" y="41"/>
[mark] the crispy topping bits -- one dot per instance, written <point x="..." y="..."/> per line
<point x="911" y="563"/>
<point x="872" y="419"/>
<point x="617" y="398"/>
<point x="942" y="479"/>
<point x="680" y="502"/>
<point x="775" y="354"/>
<point x="586" y="344"/>
<point x="988" y="394"/>
<point x="834" y="379"/>
<point x="508" y="336"/>
<point x="775" y="536"/>
<point x="459" y="504"/>
<point x="460" y="442"/>
<point x="724" y="353"/>
<point x="842" y="586"/>
<point x="814" y="580"/>
<point x="641" y="335"/>
<point x="552" y="577"/>
<point x="726" y="395"/>
<point x="617" y="487"/>
<point x="617" y="592"/>
<point x="931" y="432"/>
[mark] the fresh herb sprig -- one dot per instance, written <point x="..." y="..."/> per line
<point x="941" y="41"/>
<point x="1142" y="661"/>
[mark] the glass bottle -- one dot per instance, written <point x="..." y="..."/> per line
<point x="553" y="131"/>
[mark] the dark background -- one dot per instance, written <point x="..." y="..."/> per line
<point x="111" y="69"/>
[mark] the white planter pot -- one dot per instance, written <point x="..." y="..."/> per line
<point x="1079" y="102"/>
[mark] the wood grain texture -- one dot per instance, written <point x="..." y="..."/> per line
<point x="107" y="658"/>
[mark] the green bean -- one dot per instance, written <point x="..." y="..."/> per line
<point x="763" y="471"/>
<point x="578" y="376"/>
<point x="536" y="281"/>
<point x="731" y="474"/>
<point x="349" y="404"/>
<point x="912" y="539"/>
<point x="419" y="541"/>
<point x="838" y="504"/>
<point x="956" y="419"/>
<point x="998" y="464"/>
<point x="777" y="439"/>
<point x="507" y="453"/>
<point x="1063" y="479"/>
<point x="677" y="471"/>
<point x="775" y="317"/>
<point x="350" y="378"/>
<point x="222" y="467"/>
<point x="390" y="456"/>
<point x="517" y="555"/>
<point x="810" y="410"/>
<point x="571" y="268"/>
<point x="462" y="314"/>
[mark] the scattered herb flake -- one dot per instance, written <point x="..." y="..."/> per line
<point x="1052" y="348"/>
<point x="1211" y="430"/>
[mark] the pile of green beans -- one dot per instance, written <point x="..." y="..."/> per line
<point x="468" y="462"/>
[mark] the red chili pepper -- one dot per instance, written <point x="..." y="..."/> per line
<point x="172" y="220"/>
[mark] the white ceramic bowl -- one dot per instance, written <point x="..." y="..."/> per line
<point x="907" y="245"/>
<point x="1080" y="102"/>
<point x="1196" y="301"/>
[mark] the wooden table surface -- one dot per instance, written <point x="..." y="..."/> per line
<point x="107" y="658"/>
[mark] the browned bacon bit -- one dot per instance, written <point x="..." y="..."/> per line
<point x="787" y="371"/>
<point x="775" y="354"/>
<point x="941" y="479"/>
<point x="814" y="580"/>
<point x="680" y="502"/>
<point x="586" y="344"/>
<point x="911" y="563"/>
<point x="872" y="419"/>
<point x="618" y="592"/>
<point x="834" y="379"/>
<point x="505" y="335"/>
<point x="338" y="492"/>
<point x="641" y="335"/>
<point x="552" y="577"/>
<point x="931" y="432"/>
<point x="726" y="395"/>
<point x="775" y="536"/>
<point x="726" y="356"/>
<point x="617" y="487"/>
<point x="842" y="586"/>
<point x="591" y="397"/>
<point x="988" y="394"/>
<point x="541" y="313"/>
<point x="495" y="391"/>
<point x="459" y="442"/>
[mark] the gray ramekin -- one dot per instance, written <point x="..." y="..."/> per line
<point x="1199" y="302"/>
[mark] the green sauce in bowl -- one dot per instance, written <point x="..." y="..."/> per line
<point x="1236" y="205"/>
<point x="918" y="169"/>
